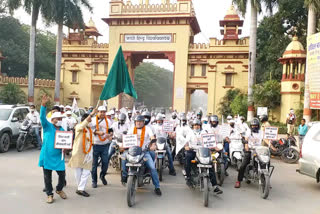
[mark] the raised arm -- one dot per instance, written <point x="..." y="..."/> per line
<point x="85" y="123"/>
<point x="44" y="122"/>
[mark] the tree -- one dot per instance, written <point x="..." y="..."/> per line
<point x="14" y="39"/>
<point x="12" y="94"/>
<point x="239" y="104"/>
<point x="255" y="9"/>
<point x="273" y="36"/>
<point x="225" y="103"/>
<point x="313" y="6"/>
<point x="267" y="94"/>
<point x="153" y="85"/>
<point x="33" y="8"/>
<point x="50" y="103"/>
<point x="63" y="12"/>
<point x="3" y="6"/>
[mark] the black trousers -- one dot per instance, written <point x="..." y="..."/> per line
<point x="190" y="155"/>
<point x="47" y="175"/>
<point x="245" y="162"/>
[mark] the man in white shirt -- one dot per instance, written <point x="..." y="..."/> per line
<point x="34" y="116"/>
<point x="119" y="128"/>
<point x="147" y="143"/>
<point x="158" y="130"/>
<point x="68" y="123"/>
<point x="102" y="139"/>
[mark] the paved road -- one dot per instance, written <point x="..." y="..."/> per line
<point x="21" y="192"/>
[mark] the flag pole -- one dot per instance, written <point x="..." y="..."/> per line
<point x="98" y="104"/>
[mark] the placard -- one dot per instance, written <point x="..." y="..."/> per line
<point x="209" y="141"/>
<point x="262" y="111"/>
<point x="168" y="126"/>
<point x="225" y="130"/>
<point x="196" y="142"/>
<point x="63" y="140"/>
<point x="271" y="133"/>
<point x="129" y="140"/>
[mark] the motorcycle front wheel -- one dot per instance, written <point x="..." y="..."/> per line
<point x="290" y="155"/>
<point x="264" y="185"/>
<point x="21" y="142"/>
<point x="131" y="190"/>
<point x="160" y="168"/>
<point x="220" y="173"/>
<point x="205" y="191"/>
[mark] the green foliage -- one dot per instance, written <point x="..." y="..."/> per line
<point x="12" y="94"/>
<point x="14" y="44"/>
<point x="153" y="85"/>
<point x="240" y="104"/>
<point x="225" y="103"/>
<point x="267" y="94"/>
<point x="273" y="37"/>
<point x="42" y="92"/>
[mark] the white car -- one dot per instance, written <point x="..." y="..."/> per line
<point x="11" y="117"/>
<point x="309" y="163"/>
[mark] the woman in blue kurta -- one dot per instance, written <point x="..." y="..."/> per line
<point x="50" y="158"/>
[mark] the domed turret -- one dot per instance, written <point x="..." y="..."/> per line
<point x="294" y="49"/>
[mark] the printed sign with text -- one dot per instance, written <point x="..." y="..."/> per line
<point x="271" y="133"/>
<point x="209" y="141"/>
<point x="129" y="140"/>
<point x="63" y="140"/>
<point x="168" y="126"/>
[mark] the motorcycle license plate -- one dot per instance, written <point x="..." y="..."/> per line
<point x="23" y="132"/>
<point x="204" y="166"/>
<point x="134" y="164"/>
<point x="160" y="156"/>
<point x="160" y="151"/>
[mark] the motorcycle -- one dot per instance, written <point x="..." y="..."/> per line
<point x="259" y="170"/>
<point x="161" y="160"/>
<point x="219" y="164"/>
<point x="200" y="172"/>
<point x="26" y="136"/>
<point x="287" y="150"/>
<point x="138" y="175"/>
<point x="115" y="160"/>
<point x="236" y="152"/>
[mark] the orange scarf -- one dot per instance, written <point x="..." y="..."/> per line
<point x="135" y="131"/>
<point x="84" y="141"/>
<point x="97" y="128"/>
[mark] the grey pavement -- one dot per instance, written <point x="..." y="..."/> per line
<point x="21" y="184"/>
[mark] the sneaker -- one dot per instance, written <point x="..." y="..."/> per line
<point x="158" y="191"/>
<point x="62" y="194"/>
<point x="226" y="173"/>
<point x="172" y="172"/>
<point x="83" y="193"/>
<point x="124" y="180"/>
<point x="44" y="190"/>
<point x="217" y="190"/>
<point x="104" y="181"/>
<point x="94" y="185"/>
<point x="50" y="199"/>
<point x="237" y="185"/>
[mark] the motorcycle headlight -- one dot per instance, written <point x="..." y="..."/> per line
<point x="160" y="146"/>
<point x="264" y="158"/>
<point x="133" y="159"/>
<point x="203" y="160"/>
<point x="219" y="146"/>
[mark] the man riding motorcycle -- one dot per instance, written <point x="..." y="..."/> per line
<point x="147" y="143"/>
<point x="119" y="128"/>
<point x="195" y="135"/>
<point x="160" y="133"/>
<point x="253" y="133"/>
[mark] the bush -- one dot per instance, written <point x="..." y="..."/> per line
<point x="225" y="104"/>
<point x="267" y="94"/>
<point x="12" y="94"/>
<point x="50" y="104"/>
<point x="240" y="105"/>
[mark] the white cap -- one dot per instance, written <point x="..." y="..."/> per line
<point x="229" y="118"/>
<point x="232" y="121"/>
<point x="68" y="107"/>
<point x="68" y="112"/>
<point x="57" y="115"/>
<point x="102" y="108"/>
<point x="61" y="106"/>
<point x="109" y="113"/>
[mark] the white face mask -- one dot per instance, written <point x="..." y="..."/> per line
<point x="31" y="110"/>
<point x="59" y="123"/>
<point x="292" y="112"/>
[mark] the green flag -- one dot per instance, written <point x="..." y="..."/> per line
<point x="118" y="80"/>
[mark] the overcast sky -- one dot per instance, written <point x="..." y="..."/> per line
<point x="208" y="12"/>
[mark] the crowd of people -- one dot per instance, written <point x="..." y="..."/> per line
<point x="99" y="131"/>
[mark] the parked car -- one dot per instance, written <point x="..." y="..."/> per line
<point x="11" y="117"/>
<point x="309" y="163"/>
